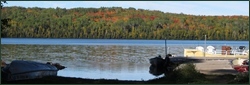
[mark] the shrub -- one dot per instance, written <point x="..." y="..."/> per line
<point x="241" y="78"/>
<point x="186" y="74"/>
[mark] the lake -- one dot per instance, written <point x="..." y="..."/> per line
<point x="101" y="58"/>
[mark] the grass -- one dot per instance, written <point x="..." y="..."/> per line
<point x="241" y="78"/>
<point x="187" y="74"/>
<point x="184" y="75"/>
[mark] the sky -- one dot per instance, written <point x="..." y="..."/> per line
<point x="210" y="8"/>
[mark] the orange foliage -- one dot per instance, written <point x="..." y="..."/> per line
<point x="96" y="20"/>
<point x="125" y="18"/>
<point x="74" y="19"/>
<point x="211" y="27"/>
<point x="152" y="17"/>
<point x="114" y="19"/>
<point x="109" y="16"/>
<point x="76" y="13"/>
<point x="103" y="16"/>
<point x="176" y="20"/>
<point x="100" y="13"/>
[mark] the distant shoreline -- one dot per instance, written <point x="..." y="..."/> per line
<point x="113" y="39"/>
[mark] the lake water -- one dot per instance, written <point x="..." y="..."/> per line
<point x="100" y="58"/>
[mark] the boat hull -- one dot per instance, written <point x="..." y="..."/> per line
<point x="29" y="75"/>
<point x="241" y="68"/>
<point x="157" y="62"/>
<point x="21" y="70"/>
<point x="240" y="65"/>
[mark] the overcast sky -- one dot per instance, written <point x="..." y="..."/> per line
<point x="187" y="7"/>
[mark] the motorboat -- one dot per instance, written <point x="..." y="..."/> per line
<point x="157" y="61"/>
<point x="240" y="65"/>
<point x="21" y="70"/>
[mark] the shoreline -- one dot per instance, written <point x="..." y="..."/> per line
<point x="73" y="80"/>
<point x="213" y="71"/>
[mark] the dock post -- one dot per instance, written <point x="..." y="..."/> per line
<point x="205" y="47"/>
<point x="165" y="46"/>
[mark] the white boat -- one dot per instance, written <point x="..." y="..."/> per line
<point x="21" y="70"/>
<point x="240" y="65"/>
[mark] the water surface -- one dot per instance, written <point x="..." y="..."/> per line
<point x="100" y="58"/>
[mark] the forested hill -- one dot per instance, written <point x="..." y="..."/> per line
<point x="119" y="23"/>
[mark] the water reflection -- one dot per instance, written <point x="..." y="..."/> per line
<point x="121" y="71"/>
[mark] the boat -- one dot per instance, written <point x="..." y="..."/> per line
<point x="157" y="61"/>
<point x="169" y="62"/>
<point x="22" y="70"/>
<point x="240" y="65"/>
<point x="211" y="51"/>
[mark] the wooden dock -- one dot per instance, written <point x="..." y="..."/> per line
<point x="208" y="58"/>
<point x="209" y="65"/>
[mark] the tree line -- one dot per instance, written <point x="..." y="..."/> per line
<point x="119" y="23"/>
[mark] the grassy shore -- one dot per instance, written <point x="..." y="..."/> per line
<point x="185" y="75"/>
